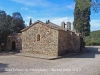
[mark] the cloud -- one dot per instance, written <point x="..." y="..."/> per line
<point x="71" y="6"/>
<point x="25" y="8"/>
<point x="44" y="7"/>
<point x="43" y="3"/>
<point x="61" y="19"/>
<point x="1" y="7"/>
<point x="95" y="25"/>
<point x="27" y="17"/>
<point x="49" y="6"/>
<point x="55" y="20"/>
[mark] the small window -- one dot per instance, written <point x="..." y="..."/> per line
<point x="38" y="37"/>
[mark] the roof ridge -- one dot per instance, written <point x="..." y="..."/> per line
<point x="50" y="24"/>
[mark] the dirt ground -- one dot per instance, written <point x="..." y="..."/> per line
<point x="87" y="63"/>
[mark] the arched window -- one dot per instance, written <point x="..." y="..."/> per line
<point x="38" y="37"/>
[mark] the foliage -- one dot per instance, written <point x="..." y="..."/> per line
<point x="82" y="4"/>
<point x="17" y="22"/>
<point x="30" y="21"/>
<point x="82" y="20"/>
<point x="99" y="74"/>
<point x="10" y="24"/>
<point x="93" y="39"/>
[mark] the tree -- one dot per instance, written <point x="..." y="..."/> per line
<point x="96" y="5"/>
<point x="82" y="19"/>
<point x="5" y="30"/>
<point x="93" y="38"/>
<point x="2" y="24"/>
<point x="10" y="24"/>
<point x="30" y="21"/>
<point x="82" y="4"/>
<point x="17" y="22"/>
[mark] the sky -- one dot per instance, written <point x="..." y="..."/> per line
<point x="56" y="11"/>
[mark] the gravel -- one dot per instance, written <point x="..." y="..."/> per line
<point x="87" y="63"/>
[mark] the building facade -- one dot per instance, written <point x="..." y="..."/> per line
<point x="14" y="42"/>
<point x="49" y="39"/>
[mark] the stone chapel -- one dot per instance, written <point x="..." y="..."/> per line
<point x="46" y="38"/>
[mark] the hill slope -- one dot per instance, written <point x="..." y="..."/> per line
<point x="93" y="39"/>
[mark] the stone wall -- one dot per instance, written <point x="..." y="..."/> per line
<point x="68" y="41"/>
<point x="76" y="42"/>
<point x="49" y="39"/>
<point x="16" y="38"/>
<point x="62" y="42"/>
<point x="40" y="39"/>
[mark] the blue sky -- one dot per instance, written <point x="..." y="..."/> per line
<point x="54" y="10"/>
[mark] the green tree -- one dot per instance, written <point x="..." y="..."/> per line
<point x="17" y="23"/>
<point x="93" y="38"/>
<point x="5" y="29"/>
<point x="2" y="25"/>
<point x="30" y="21"/>
<point x="82" y="4"/>
<point x="10" y="24"/>
<point x="82" y="20"/>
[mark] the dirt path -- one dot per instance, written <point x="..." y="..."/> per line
<point x="87" y="63"/>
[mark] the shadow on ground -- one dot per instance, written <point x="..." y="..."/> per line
<point x="7" y="53"/>
<point x="3" y="67"/>
<point x="88" y="52"/>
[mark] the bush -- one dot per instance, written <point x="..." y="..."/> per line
<point x="93" y="38"/>
<point x="91" y="43"/>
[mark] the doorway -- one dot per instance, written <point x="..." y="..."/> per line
<point x="13" y="45"/>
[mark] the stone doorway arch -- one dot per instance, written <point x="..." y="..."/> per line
<point x="13" y="45"/>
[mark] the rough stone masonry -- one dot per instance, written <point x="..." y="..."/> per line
<point x="46" y="38"/>
<point x="50" y="39"/>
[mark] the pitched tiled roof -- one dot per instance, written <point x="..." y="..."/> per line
<point x="51" y="25"/>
